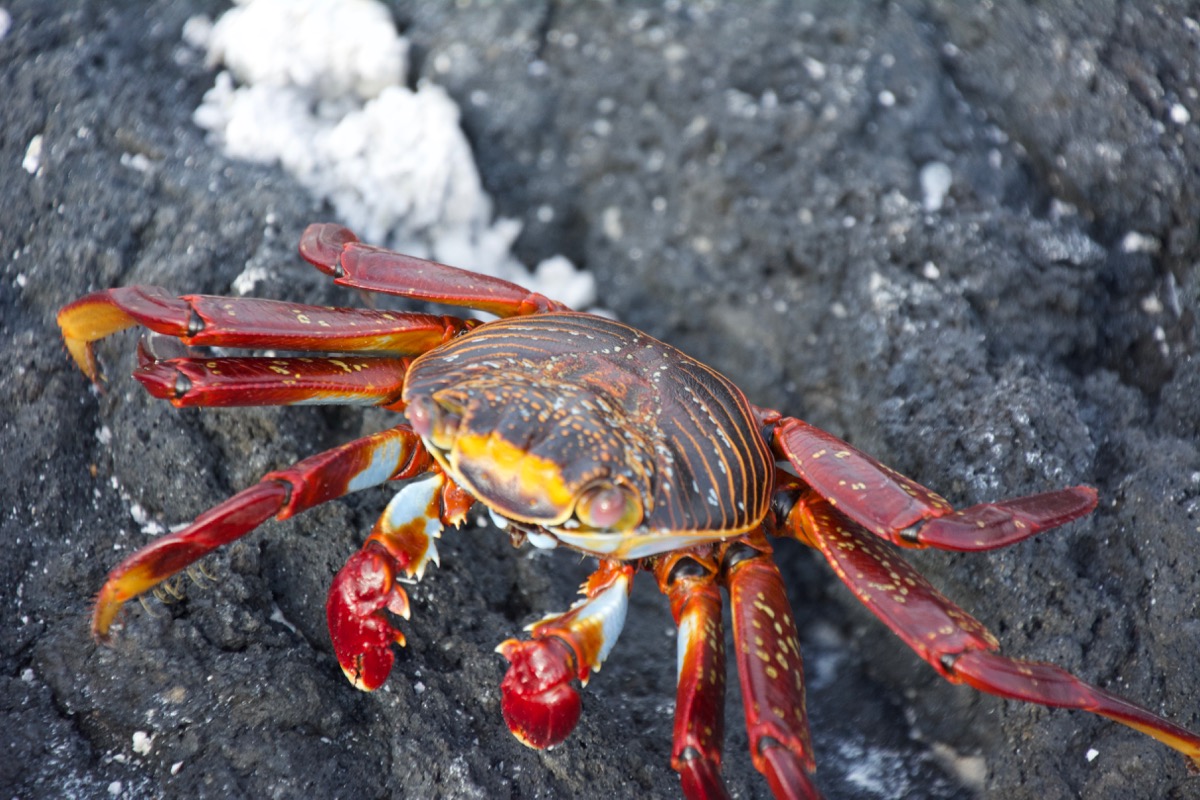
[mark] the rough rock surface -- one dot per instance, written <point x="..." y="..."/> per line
<point x="756" y="183"/>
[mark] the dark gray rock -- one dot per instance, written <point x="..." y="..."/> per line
<point x="745" y="182"/>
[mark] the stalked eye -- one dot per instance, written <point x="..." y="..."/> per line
<point x="607" y="506"/>
<point x="433" y="421"/>
<point x="420" y="415"/>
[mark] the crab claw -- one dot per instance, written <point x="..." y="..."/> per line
<point x="539" y="703"/>
<point x="362" y="633"/>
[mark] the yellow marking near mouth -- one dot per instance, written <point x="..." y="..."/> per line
<point x="529" y="481"/>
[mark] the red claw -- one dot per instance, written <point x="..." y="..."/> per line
<point x="539" y="703"/>
<point x="361" y="632"/>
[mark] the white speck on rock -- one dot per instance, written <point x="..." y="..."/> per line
<point x="1136" y="242"/>
<point x="142" y="742"/>
<point x="33" y="155"/>
<point x="250" y="277"/>
<point x="610" y="221"/>
<point x="936" y="179"/>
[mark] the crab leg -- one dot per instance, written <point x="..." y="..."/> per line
<point x="690" y="582"/>
<point x="770" y="669"/>
<point x="247" y="381"/>
<point x="199" y="320"/>
<point x="336" y="251"/>
<point x="903" y="511"/>
<point x="539" y="703"/>
<point x="954" y="643"/>
<point x="392" y="454"/>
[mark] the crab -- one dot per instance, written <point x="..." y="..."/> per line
<point x="575" y="430"/>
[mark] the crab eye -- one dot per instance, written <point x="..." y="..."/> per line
<point x="420" y="416"/>
<point x="433" y="421"/>
<point x="608" y="506"/>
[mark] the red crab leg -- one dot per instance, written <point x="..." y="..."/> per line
<point x="906" y="513"/>
<point x="372" y="460"/>
<point x="198" y="320"/>
<point x="955" y="644"/>
<point x="246" y="381"/>
<point x="336" y="251"/>
<point x="690" y="582"/>
<point x="366" y="587"/>
<point x="539" y="703"/>
<point x="770" y="669"/>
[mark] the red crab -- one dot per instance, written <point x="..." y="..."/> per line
<point x="586" y="433"/>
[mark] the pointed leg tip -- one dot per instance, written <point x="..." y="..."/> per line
<point x="87" y="320"/>
<point x="101" y="629"/>
<point x="84" y="356"/>
<point x="1090" y="496"/>
<point x="124" y="583"/>
<point x="104" y="615"/>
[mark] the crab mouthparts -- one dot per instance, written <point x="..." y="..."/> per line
<point x="630" y="545"/>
